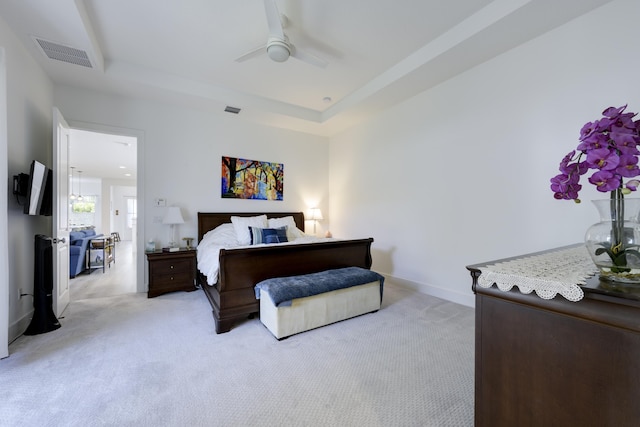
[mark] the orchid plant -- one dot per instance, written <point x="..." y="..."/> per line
<point x="610" y="147"/>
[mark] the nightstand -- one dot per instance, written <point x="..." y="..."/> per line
<point x="171" y="271"/>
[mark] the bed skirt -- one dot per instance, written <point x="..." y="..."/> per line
<point x="319" y="310"/>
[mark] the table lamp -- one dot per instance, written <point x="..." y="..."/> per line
<point x="315" y="214"/>
<point x="173" y="217"/>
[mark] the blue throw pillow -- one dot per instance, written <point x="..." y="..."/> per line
<point x="268" y="235"/>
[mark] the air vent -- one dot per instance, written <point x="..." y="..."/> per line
<point x="63" y="53"/>
<point x="233" y="110"/>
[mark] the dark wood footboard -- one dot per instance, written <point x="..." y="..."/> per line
<point x="233" y="297"/>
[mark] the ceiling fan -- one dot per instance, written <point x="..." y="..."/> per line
<point x="278" y="46"/>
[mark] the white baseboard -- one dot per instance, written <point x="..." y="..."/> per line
<point x="457" y="297"/>
<point x="18" y="327"/>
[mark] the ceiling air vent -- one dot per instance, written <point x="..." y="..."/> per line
<point x="234" y="110"/>
<point x="63" y="53"/>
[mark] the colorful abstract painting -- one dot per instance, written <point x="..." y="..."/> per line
<point x="251" y="179"/>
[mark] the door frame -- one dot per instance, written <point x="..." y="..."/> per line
<point x="4" y="230"/>
<point x="60" y="218"/>
<point x="139" y="134"/>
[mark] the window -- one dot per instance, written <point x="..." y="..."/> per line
<point x="84" y="206"/>
<point x="132" y="212"/>
<point x="83" y="211"/>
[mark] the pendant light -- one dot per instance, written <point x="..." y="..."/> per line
<point x="79" y="186"/>
<point x="72" y="196"/>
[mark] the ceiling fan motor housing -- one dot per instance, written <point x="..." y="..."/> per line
<point x="278" y="50"/>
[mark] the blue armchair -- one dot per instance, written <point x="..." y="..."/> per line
<point x="78" y="243"/>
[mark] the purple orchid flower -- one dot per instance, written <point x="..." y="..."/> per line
<point x="628" y="166"/>
<point x="632" y="184"/>
<point x="610" y="147"/>
<point x="605" y="181"/>
<point x="603" y="159"/>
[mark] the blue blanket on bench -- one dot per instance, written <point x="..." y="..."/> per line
<point x="282" y="290"/>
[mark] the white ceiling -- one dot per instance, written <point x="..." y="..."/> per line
<point x="99" y="155"/>
<point x="379" y="52"/>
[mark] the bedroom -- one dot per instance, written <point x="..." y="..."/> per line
<point x="464" y="165"/>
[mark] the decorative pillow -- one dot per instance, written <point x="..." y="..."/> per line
<point x="292" y="230"/>
<point x="268" y="235"/>
<point x="242" y="223"/>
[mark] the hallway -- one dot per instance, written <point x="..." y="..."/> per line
<point x="119" y="278"/>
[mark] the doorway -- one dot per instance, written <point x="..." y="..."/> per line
<point x="130" y="217"/>
<point x="104" y="183"/>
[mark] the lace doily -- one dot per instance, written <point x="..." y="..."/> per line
<point x="548" y="274"/>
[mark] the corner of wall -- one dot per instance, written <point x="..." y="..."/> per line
<point x="17" y="328"/>
<point x="446" y="294"/>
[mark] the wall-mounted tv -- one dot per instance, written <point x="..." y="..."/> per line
<point x="39" y="190"/>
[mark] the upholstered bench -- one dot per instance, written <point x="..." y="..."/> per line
<point x="289" y="305"/>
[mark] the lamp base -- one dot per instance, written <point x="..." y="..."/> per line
<point x="174" y="237"/>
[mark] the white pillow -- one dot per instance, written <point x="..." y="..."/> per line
<point x="242" y="223"/>
<point x="292" y="231"/>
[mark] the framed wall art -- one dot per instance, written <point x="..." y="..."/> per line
<point x="251" y="179"/>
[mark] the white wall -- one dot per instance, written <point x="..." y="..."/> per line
<point x="28" y="127"/>
<point x="4" y="246"/>
<point x="182" y="153"/>
<point x="460" y="174"/>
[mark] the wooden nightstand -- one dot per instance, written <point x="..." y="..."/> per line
<point x="171" y="271"/>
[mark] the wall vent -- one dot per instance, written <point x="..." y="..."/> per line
<point x="234" y="110"/>
<point x="63" y="53"/>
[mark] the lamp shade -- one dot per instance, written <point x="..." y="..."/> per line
<point x="173" y="216"/>
<point x="315" y="214"/>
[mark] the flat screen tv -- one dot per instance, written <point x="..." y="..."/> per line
<point x="39" y="190"/>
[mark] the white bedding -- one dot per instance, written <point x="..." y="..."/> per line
<point x="224" y="237"/>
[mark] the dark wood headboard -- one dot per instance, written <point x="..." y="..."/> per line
<point x="209" y="220"/>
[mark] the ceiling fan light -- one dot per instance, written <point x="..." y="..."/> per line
<point x="278" y="51"/>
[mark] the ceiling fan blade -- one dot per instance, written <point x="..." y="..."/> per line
<point x="273" y="19"/>
<point x="308" y="58"/>
<point x="252" y="53"/>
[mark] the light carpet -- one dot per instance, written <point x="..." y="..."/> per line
<point x="131" y="361"/>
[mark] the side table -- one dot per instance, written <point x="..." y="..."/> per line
<point x="101" y="252"/>
<point x="171" y="271"/>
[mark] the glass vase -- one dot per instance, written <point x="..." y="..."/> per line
<point x="614" y="242"/>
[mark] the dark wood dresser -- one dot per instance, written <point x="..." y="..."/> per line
<point x="171" y="271"/>
<point x="555" y="362"/>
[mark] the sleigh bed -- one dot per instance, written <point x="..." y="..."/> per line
<point x="232" y="295"/>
